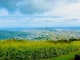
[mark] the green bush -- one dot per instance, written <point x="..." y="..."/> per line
<point x="24" y="50"/>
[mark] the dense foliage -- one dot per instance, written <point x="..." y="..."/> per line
<point x="31" y="50"/>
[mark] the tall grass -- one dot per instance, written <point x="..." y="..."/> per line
<point x="35" y="50"/>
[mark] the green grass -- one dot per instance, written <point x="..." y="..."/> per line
<point x="69" y="56"/>
<point x="31" y="50"/>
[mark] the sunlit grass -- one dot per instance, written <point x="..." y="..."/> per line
<point x="69" y="56"/>
<point x="30" y="50"/>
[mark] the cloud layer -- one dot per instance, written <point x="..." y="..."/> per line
<point x="26" y="6"/>
<point x="31" y="12"/>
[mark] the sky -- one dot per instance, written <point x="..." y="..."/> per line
<point x="39" y="13"/>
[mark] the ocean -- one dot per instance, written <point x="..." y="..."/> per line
<point x="46" y="28"/>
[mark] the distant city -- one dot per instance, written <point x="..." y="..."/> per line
<point x="55" y="33"/>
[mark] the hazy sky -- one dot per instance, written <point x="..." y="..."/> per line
<point x="39" y="13"/>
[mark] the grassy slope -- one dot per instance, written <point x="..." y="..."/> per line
<point x="69" y="56"/>
<point x="28" y="50"/>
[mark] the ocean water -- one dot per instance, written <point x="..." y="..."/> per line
<point x="46" y="28"/>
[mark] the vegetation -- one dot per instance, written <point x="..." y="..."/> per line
<point x="69" y="56"/>
<point x="32" y="50"/>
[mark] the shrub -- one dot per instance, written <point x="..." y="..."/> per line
<point x="31" y="50"/>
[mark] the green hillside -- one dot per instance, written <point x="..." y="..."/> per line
<point x="35" y="50"/>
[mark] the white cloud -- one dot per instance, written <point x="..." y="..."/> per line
<point x="68" y="10"/>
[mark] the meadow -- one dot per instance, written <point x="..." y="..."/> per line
<point x="35" y="50"/>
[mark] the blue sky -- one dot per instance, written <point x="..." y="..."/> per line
<point x="39" y="13"/>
